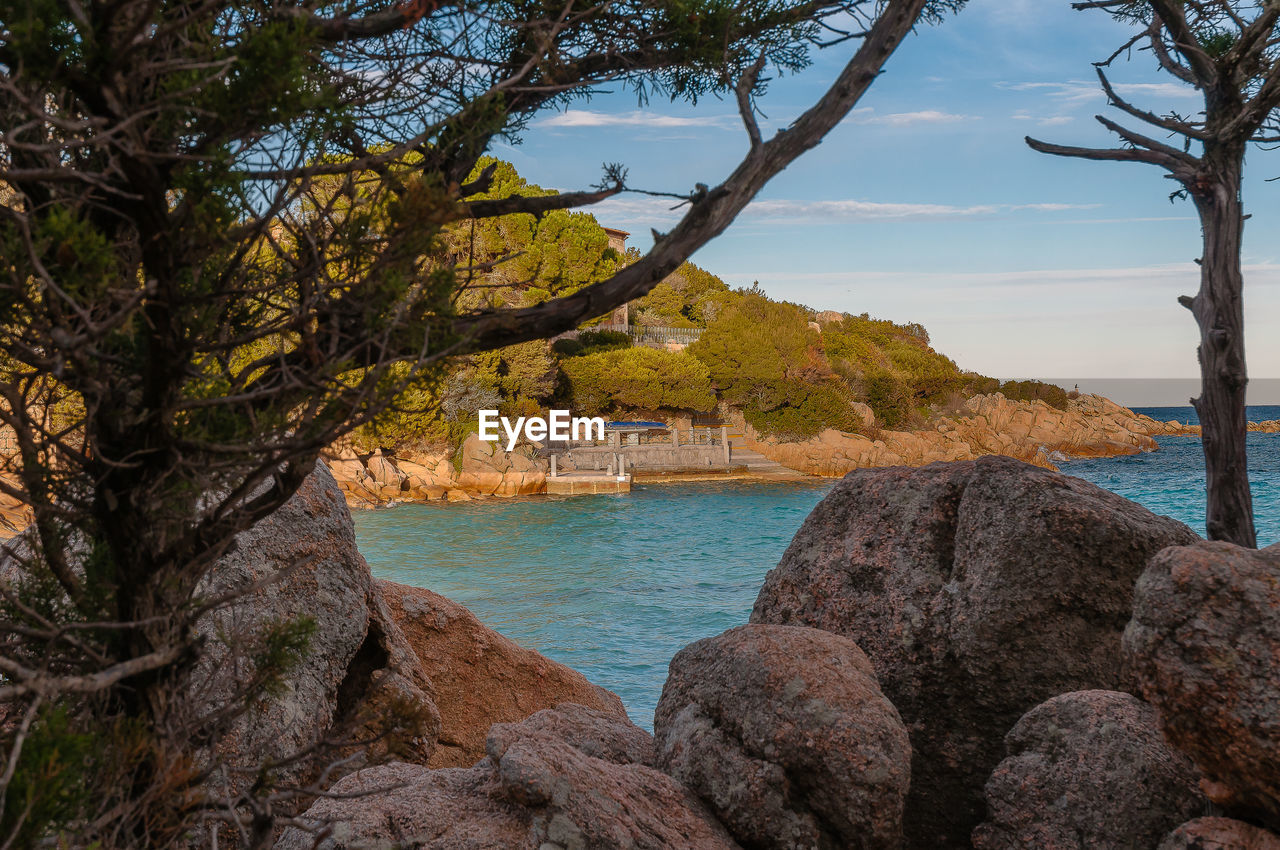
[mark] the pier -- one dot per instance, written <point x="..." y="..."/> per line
<point x="613" y="479"/>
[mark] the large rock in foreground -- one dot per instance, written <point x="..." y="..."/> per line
<point x="1205" y="644"/>
<point x="480" y="677"/>
<point x="784" y="733"/>
<point x="358" y="677"/>
<point x="1220" y="834"/>
<point x="978" y="590"/>
<point x="565" y="778"/>
<point x="1087" y="771"/>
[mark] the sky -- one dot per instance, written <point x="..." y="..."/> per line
<point x="925" y="205"/>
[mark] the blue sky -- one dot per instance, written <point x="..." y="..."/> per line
<point x="925" y="204"/>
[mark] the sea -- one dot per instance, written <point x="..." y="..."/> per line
<point x="615" y="585"/>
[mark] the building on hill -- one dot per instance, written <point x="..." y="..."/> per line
<point x="618" y="242"/>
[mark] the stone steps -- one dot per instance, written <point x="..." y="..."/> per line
<point x="758" y="464"/>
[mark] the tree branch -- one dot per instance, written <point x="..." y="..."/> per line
<point x="1173" y="17"/>
<point x="538" y="205"/>
<point x="1109" y="154"/>
<point x="709" y="216"/>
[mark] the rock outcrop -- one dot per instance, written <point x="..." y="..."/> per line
<point x="784" y="734"/>
<point x="1087" y="770"/>
<point x="1032" y="431"/>
<point x="483" y="469"/>
<point x="978" y="590"/>
<point x="358" y="671"/>
<point x="1090" y="426"/>
<point x="1205" y="645"/>
<point x="479" y="677"/>
<point x="565" y="778"/>
<point x="1219" y="834"/>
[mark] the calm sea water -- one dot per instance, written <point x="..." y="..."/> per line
<point x="614" y="585"/>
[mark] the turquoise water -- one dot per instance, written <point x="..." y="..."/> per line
<point x="614" y="585"/>
<point x="1171" y="481"/>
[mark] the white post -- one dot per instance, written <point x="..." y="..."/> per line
<point x="724" y="438"/>
<point x="553" y="466"/>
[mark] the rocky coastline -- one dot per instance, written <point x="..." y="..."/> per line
<point x="1030" y="431"/>
<point x="1034" y="432"/>
<point x="1090" y="426"/>
<point x="927" y="667"/>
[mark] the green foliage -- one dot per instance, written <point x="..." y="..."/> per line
<point x="280" y="646"/>
<point x="413" y="418"/>
<point x="519" y="371"/>
<point x="975" y="384"/>
<point x="893" y="367"/>
<point x="809" y="409"/>
<point x="1217" y="43"/>
<point x="54" y="777"/>
<point x="1051" y="394"/>
<point x="549" y="256"/>
<point x="888" y="396"/>
<point x="756" y="348"/>
<point x="765" y="358"/>
<point x="431" y="411"/>
<point x="591" y="342"/>
<point x="689" y="297"/>
<point x="641" y="378"/>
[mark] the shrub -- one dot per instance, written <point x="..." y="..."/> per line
<point x="644" y="378"/>
<point x="809" y="410"/>
<point x="686" y="298"/>
<point x="1051" y="394"/>
<point x="526" y="370"/>
<point x="591" y="342"/>
<point x="888" y="396"/>
<point x="756" y="348"/>
<point x="975" y="384"/>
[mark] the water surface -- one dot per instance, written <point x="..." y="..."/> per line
<point x="614" y="585"/>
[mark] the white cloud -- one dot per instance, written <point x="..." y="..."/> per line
<point x="577" y="118"/>
<point x="659" y="212"/>
<point x="880" y="211"/>
<point x="1054" y="207"/>
<point x="1044" y="120"/>
<point x="868" y="115"/>
<point x="1075" y="92"/>
<point x="863" y="210"/>
<point x="962" y="285"/>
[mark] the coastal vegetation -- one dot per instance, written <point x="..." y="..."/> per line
<point x="639" y="378"/>
<point x="791" y="371"/>
<point x="232" y="236"/>
<point x="1230" y="53"/>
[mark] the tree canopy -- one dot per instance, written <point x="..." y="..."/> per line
<point x="227" y="227"/>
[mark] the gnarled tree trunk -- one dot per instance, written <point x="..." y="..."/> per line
<point x="1219" y="311"/>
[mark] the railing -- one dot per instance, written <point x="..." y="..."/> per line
<point x="653" y="334"/>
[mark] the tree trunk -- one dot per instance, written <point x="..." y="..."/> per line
<point x="1219" y="311"/>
